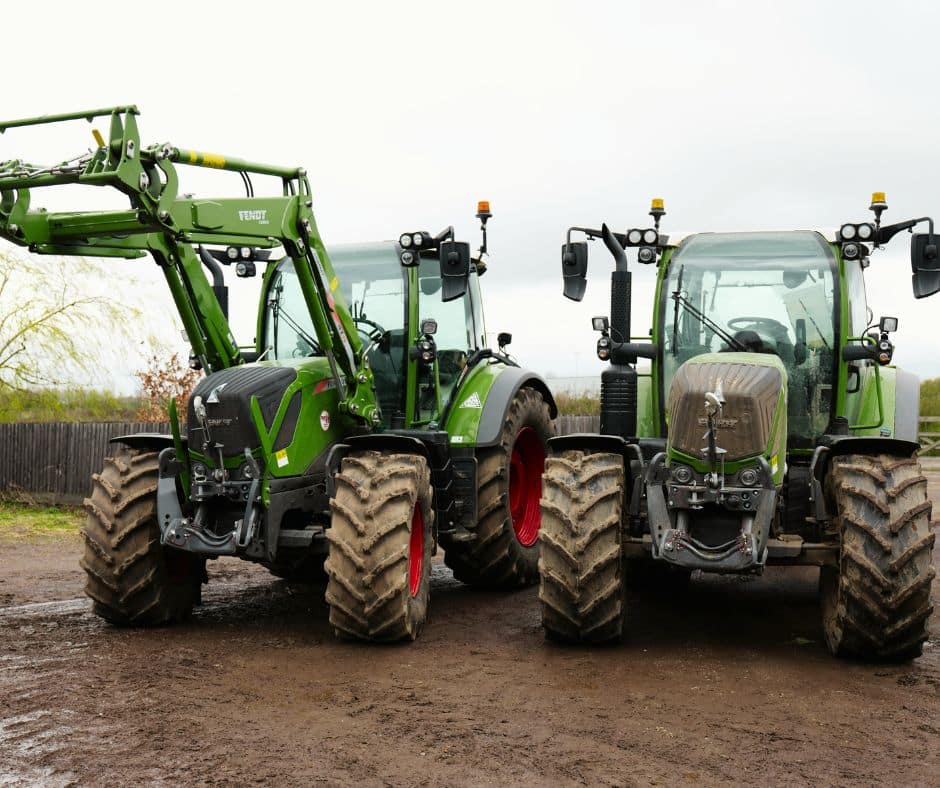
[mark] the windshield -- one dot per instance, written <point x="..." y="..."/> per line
<point x="371" y="281"/>
<point x="760" y="293"/>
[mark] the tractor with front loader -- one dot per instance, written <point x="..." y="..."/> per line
<point x="367" y="423"/>
<point x="768" y="427"/>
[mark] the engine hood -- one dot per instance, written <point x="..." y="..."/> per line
<point x="754" y="416"/>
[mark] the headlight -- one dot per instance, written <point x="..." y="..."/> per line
<point x="865" y="231"/>
<point x="850" y="251"/>
<point x="749" y="477"/>
<point x="847" y="232"/>
<point x="650" y="237"/>
<point x="232" y="253"/>
<point x="635" y="237"/>
<point x="417" y="239"/>
<point x="646" y="255"/>
<point x="682" y="474"/>
<point x="246" y="252"/>
<point x="407" y="258"/>
<point x="404" y="241"/>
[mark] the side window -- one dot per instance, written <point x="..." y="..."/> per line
<point x="858" y="305"/>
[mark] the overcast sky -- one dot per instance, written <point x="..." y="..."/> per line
<point x="742" y="115"/>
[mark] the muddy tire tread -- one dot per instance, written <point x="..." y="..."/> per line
<point x="581" y="565"/>
<point x="126" y="574"/>
<point x="368" y="587"/>
<point x="877" y="604"/>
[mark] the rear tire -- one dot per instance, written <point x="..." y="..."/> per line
<point x="505" y="552"/>
<point x="131" y="578"/>
<point x="582" y="567"/>
<point x="381" y="542"/>
<point x="876" y="604"/>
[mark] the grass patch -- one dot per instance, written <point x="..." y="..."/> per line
<point x="577" y="405"/>
<point x="19" y="522"/>
<point x="73" y="404"/>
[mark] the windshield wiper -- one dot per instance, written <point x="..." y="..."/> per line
<point x="710" y="324"/>
<point x="815" y="324"/>
<point x="675" y="313"/>
<point x="279" y="311"/>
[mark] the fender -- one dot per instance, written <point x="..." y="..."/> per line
<point x="377" y="441"/>
<point x="499" y="397"/>
<point x="630" y="451"/>
<point x="146" y="440"/>
<point x="839" y="446"/>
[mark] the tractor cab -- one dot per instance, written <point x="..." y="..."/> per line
<point x="418" y="343"/>
<point x="758" y="292"/>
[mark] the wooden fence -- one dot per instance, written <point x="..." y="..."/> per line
<point x="930" y="435"/>
<point x="54" y="462"/>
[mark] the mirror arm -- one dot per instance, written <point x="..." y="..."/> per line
<point x="888" y="232"/>
<point x="591" y="234"/>
<point x="443" y="235"/>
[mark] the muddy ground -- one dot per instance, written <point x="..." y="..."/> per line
<point x="729" y="683"/>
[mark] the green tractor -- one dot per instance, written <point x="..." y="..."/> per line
<point x="770" y="428"/>
<point x="368" y="423"/>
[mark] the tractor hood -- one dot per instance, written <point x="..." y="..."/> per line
<point x="753" y="418"/>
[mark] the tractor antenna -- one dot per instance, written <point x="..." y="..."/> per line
<point x="483" y="214"/>
<point x="657" y="210"/>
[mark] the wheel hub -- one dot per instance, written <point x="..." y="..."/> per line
<point x="526" y="464"/>
<point x="416" y="551"/>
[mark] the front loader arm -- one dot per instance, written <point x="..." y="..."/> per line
<point x="167" y="227"/>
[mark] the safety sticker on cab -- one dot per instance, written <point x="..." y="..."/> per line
<point x="281" y="458"/>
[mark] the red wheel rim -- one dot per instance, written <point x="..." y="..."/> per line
<point x="525" y="485"/>
<point x="416" y="551"/>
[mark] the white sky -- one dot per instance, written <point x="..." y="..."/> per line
<point x="742" y="115"/>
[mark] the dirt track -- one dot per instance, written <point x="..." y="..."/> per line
<point x="730" y="683"/>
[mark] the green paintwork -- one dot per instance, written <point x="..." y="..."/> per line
<point x="463" y="423"/>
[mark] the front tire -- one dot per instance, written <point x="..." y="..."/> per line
<point x="381" y="542"/>
<point x="582" y="568"/>
<point x="875" y="605"/>
<point x="504" y="552"/>
<point x="131" y="578"/>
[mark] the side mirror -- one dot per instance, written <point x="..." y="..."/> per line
<point x="888" y="325"/>
<point x="455" y="269"/>
<point x="574" y="260"/>
<point x="799" y="349"/>
<point x="925" y="264"/>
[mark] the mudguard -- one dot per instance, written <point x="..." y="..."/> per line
<point x="146" y="440"/>
<point x="849" y="444"/>
<point x="499" y="397"/>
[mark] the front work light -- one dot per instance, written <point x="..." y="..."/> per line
<point x="600" y="324"/>
<point x="847" y="232"/>
<point x="646" y="255"/>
